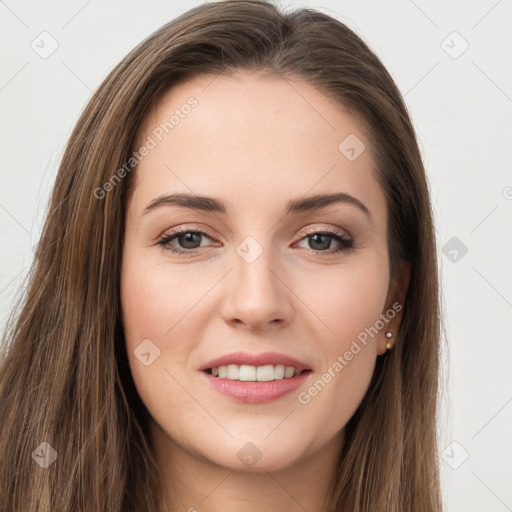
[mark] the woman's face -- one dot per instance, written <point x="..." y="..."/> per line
<point x="256" y="279"/>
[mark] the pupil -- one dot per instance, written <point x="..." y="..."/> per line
<point x="189" y="238"/>
<point x="315" y="237"/>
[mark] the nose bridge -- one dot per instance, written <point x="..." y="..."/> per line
<point x="257" y="294"/>
<point x="253" y="263"/>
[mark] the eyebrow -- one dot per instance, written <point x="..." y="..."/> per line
<point x="212" y="205"/>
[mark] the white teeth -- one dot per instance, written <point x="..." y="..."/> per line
<point x="246" y="372"/>
<point x="278" y="372"/>
<point x="232" y="372"/>
<point x="289" y="372"/>
<point x="265" y="373"/>
<point x="250" y="373"/>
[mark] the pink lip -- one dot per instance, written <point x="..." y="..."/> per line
<point x="255" y="392"/>
<point x="273" y="358"/>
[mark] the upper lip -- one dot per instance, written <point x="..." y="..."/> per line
<point x="265" y="358"/>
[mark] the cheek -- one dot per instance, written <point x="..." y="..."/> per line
<point x="334" y="394"/>
<point x="344" y="302"/>
<point x="155" y="299"/>
<point x="154" y="306"/>
<point x="347" y="307"/>
<point x="161" y="303"/>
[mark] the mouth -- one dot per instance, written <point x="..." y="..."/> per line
<point x="255" y="378"/>
<point x="276" y="382"/>
<point x="249" y="373"/>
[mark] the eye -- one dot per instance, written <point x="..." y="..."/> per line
<point x="318" y="241"/>
<point x="189" y="239"/>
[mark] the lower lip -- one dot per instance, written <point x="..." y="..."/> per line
<point x="256" y="392"/>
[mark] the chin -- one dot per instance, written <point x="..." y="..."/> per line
<point x="256" y="457"/>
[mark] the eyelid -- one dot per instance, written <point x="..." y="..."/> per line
<point x="328" y="229"/>
<point x="183" y="228"/>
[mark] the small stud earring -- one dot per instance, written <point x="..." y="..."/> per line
<point x="389" y="335"/>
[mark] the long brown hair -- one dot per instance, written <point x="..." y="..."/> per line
<point x="64" y="375"/>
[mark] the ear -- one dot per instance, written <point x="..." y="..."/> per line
<point x="393" y="309"/>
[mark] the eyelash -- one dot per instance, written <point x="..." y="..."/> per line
<point x="346" y="243"/>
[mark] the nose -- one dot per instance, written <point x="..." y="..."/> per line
<point x="257" y="295"/>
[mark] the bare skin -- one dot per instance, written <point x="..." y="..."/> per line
<point x="254" y="143"/>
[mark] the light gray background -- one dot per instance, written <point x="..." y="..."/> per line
<point x="461" y="107"/>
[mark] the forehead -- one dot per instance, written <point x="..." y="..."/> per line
<point x="249" y="136"/>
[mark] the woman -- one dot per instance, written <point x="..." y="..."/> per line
<point x="234" y="301"/>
